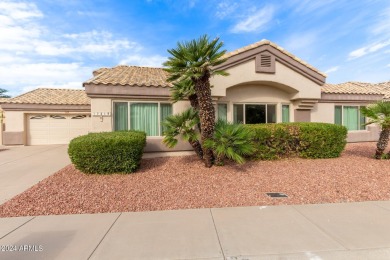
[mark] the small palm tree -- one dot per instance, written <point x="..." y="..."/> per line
<point x="379" y="113"/>
<point x="183" y="125"/>
<point x="196" y="60"/>
<point x="232" y="141"/>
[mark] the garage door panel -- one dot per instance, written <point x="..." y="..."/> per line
<point x="79" y="125"/>
<point x="56" y="128"/>
<point x="38" y="129"/>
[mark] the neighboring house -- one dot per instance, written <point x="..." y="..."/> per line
<point x="266" y="85"/>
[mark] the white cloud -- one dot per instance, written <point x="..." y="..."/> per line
<point x="368" y="49"/>
<point x="149" y="61"/>
<point x="301" y="41"/>
<point x="309" y="6"/>
<point x="388" y="65"/>
<point x="256" y="21"/>
<point x="37" y="73"/>
<point x="226" y="8"/>
<point x="332" y="69"/>
<point x="93" y="42"/>
<point x="19" y="11"/>
<point x="381" y="27"/>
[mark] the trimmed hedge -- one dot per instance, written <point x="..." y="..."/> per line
<point x="108" y="152"/>
<point x="307" y="140"/>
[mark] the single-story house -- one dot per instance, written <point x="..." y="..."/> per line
<point x="266" y="84"/>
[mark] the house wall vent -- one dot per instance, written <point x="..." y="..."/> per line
<point x="265" y="60"/>
<point x="265" y="63"/>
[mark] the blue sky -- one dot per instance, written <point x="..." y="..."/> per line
<point x="58" y="43"/>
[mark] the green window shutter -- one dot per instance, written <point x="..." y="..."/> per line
<point x="285" y="113"/>
<point x="121" y="116"/>
<point x="362" y="122"/>
<point x="338" y="115"/>
<point x="222" y="112"/>
<point x="144" y="117"/>
<point x="238" y="113"/>
<point x="165" y="111"/>
<point x="351" y="117"/>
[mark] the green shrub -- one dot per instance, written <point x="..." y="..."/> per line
<point x="273" y="141"/>
<point x="108" y="152"/>
<point x="320" y="140"/>
<point x="307" y="140"/>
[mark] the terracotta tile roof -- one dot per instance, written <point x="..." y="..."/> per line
<point x="267" y="42"/>
<point x="362" y="88"/>
<point x="2" y="100"/>
<point x="124" y="75"/>
<point x="51" y="96"/>
<point x="385" y="89"/>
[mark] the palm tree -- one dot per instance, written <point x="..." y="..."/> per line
<point x="183" y="125"/>
<point x="379" y="113"/>
<point x="195" y="60"/>
<point x="184" y="89"/>
<point x="232" y="141"/>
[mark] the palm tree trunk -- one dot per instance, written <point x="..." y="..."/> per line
<point x="195" y="105"/>
<point x="206" y="114"/>
<point x="382" y="143"/>
<point x="197" y="148"/>
<point x="194" y="101"/>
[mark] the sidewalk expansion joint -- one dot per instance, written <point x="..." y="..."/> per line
<point x="320" y="228"/>
<point x="101" y="240"/>
<point x="216" y="232"/>
<point x="17" y="227"/>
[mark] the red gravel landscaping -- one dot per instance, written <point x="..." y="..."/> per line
<point x="183" y="182"/>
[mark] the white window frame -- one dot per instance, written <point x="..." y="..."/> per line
<point x="266" y="110"/>
<point x="227" y="110"/>
<point x="289" y="112"/>
<point x="128" y="113"/>
<point x="342" y="115"/>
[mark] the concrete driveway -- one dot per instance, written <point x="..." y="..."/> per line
<point x="23" y="166"/>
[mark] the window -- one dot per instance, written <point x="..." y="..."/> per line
<point x="222" y="112"/>
<point x="147" y="117"/>
<point x="350" y="117"/>
<point x="254" y="113"/>
<point x="285" y="113"/>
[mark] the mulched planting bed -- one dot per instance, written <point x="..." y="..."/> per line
<point x="183" y="182"/>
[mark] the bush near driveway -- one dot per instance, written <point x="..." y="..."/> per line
<point x="306" y="140"/>
<point x="108" y="152"/>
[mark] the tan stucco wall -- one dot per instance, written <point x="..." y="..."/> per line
<point x="180" y="106"/>
<point x="323" y="112"/>
<point x="101" y="123"/>
<point x="284" y="78"/>
<point x="15" y="121"/>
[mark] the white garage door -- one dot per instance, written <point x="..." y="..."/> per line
<point x="56" y="129"/>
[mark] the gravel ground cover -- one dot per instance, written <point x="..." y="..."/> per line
<point x="183" y="182"/>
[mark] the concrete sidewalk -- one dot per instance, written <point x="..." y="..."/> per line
<point x="325" y="231"/>
<point x="23" y="166"/>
